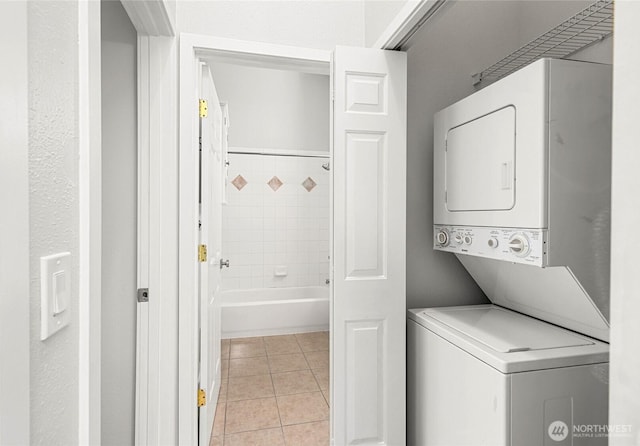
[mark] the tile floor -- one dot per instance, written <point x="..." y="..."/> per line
<point x="274" y="391"/>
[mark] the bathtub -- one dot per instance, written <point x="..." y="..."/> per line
<point x="274" y="311"/>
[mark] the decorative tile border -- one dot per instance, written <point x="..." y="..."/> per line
<point x="239" y="182"/>
<point x="275" y="183"/>
<point x="309" y="184"/>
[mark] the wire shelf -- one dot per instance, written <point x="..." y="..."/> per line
<point x="590" y="25"/>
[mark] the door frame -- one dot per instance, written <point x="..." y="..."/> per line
<point x="14" y="231"/>
<point x="192" y="49"/>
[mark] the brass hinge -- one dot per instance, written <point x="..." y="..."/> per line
<point x="202" y="397"/>
<point x="202" y="253"/>
<point x="203" y="108"/>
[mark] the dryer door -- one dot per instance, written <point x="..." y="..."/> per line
<point x="480" y="163"/>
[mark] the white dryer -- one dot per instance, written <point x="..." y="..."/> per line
<point x="484" y="375"/>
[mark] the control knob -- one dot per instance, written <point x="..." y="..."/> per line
<point x="519" y="245"/>
<point x="442" y="238"/>
<point x="492" y="242"/>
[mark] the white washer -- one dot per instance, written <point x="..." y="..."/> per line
<point x="485" y="375"/>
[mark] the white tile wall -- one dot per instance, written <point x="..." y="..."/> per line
<point x="264" y="229"/>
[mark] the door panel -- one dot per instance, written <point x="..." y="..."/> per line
<point x="211" y="171"/>
<point x="365" y="207"/>
<point x="369" y="303"/>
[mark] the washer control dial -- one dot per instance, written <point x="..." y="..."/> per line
<point x="458" y="239"/>
<point x="519" y="245"/>
<point x="468" y="240"/>
<point x="442" y="238"/>
<point x="492" y="242"/>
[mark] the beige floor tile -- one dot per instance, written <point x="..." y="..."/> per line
<point x="322" y="376"/>
<point x="247" y="350"/>
<point x="288" y="383"/>
<point x="287" y="363"/>
<point x="218" y="421"/>
<point x="279" y="338"/>
<point x="249" y="387"/>
<point x="307" y="434"/>
<point x="249" y="415"/>
<point x="215" y="441"/>
<point x="253" y="340"/>
<point x="301" y="408"/>
<point x="224" y="369"/>
<point x="224" y="350"/>
<point x="281" y="345"/>
<point x="327" y="398"/>
<point x="316" y="341"/>
<point x="248" y="366"/>
<point x="318" y="359"/>
<point x="263" y="437"/>
<point x="222" y="396"/>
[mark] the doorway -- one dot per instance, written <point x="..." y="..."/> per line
<point x="275" y="253"/>
<point x="367" y="188"/>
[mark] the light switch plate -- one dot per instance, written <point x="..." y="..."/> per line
<point x="55" y="292"/>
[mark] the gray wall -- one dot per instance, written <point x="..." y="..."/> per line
<point x="273" y="108"/>
<point x="53" y="211"/>
<point x="119" y="192"/>
<point x="461" y="39"/>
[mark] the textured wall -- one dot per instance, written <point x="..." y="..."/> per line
<point x="274" y="108"/>
<point x="53" y="211"/>
<point x="119" y="192"/>
<point x="313" y="24"/>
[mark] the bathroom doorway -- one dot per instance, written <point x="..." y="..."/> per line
<point x="274" y="295"/>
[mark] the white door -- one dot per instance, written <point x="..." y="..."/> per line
<point x="210" y="201"/>
<point x="369" y="205"/>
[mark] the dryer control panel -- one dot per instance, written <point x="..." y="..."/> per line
<point x="527" y="246"/>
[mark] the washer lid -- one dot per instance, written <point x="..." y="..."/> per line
<point x="505" y="331"/>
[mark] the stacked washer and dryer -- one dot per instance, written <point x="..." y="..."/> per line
<point x="522" y="198"/>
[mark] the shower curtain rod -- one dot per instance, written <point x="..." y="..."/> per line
<point x="279" y="152"/>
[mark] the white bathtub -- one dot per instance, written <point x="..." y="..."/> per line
<point x="274" y="311"/>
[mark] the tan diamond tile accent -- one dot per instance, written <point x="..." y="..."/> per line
<point x="275" y="183"/>
<point x="239" y="182"/>
<point x="309" y="184"/>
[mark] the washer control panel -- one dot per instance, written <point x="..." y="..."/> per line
<point x="528" y="246"/>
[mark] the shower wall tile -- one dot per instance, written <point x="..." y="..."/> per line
<point x="265" y="229"/>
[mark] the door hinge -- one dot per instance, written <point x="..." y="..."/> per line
<point x="202" y="397"/>
<point x="203" y="109"/>
<point x="202" y="253"/>
<point x="143" y="294"/>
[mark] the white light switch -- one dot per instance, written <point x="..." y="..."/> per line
<point x="55" y="288"/>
